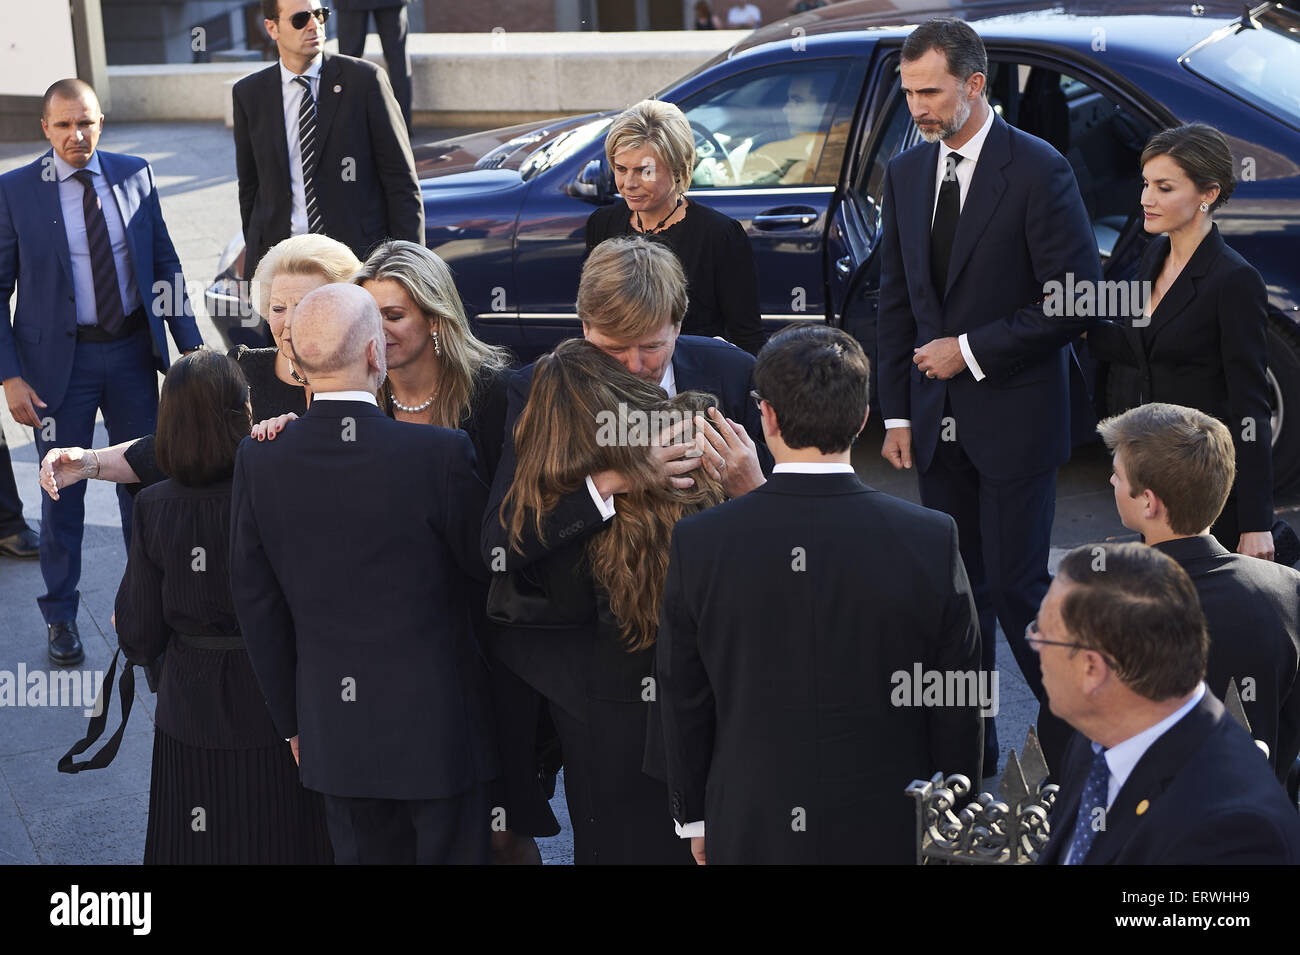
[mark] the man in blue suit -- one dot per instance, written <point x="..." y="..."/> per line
<point x="1158" y="773"/>
<point x="82" y="236"/>
<point x="973" y="373"/>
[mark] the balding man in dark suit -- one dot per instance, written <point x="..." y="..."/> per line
<point x="352" y="591"/>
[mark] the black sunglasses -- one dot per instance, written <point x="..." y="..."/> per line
<point x="299" y="20"/>
<point x="758" y="399"/>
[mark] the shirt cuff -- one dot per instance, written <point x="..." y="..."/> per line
<point x="603" y="504"/>
<point x="692" y="830"/>
<point x="897" y="423"/>
<point x="969" y="355"/>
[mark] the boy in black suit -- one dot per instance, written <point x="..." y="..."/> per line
<point x="1158" y="772"/>
<point x="1173" y="469"/>
<point x="792" y="619"/>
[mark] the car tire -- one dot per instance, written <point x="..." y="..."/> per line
<point x="1121" y="388"/>
<point x="1284" y="387"/>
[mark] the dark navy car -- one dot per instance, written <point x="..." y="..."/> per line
<point x="794" y="127"/>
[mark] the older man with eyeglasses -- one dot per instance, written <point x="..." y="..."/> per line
<point x="1157" y="772"/>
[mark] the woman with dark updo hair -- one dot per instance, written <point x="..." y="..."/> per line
<point x="1200" y="339"/>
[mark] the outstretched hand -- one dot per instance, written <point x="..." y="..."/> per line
<point x="63" y="467"/>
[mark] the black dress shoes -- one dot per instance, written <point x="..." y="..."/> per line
<point x="25" y="545"/>
<point x="65" y="644"/>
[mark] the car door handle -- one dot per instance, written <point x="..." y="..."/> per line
<point x="800" y="217"/>
<point x="844" y="266"/>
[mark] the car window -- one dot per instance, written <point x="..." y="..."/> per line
<point x="896" y="133"/>
<point x="1262" y="66"/>
<point x="767" y="127"/>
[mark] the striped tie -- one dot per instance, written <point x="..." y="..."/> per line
<point x="307" y="143"/>
<point x="108" y="296"/>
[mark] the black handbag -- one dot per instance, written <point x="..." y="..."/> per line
<point x="546" y="595"/>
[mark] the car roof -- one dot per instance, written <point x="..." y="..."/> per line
<point x="1149" y="30"/>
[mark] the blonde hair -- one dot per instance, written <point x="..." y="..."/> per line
<point x="308" y="254"/>
<point x="661" y="126"/>
<point x="629" y="286"/>
<point x="465" y="361"/>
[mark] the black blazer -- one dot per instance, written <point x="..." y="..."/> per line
<point x="1206" y="348"/>
<point x="1211" y="800"/>
<point x="1252" y="608"/>
<point x="354" y="541"/>
<point x="1023" y="225"/>
<point x="366" y="186"/>
<point x="786" y="616"/>
<point x="570" y="665"/>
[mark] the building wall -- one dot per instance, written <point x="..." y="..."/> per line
<point x="162" y="31"/>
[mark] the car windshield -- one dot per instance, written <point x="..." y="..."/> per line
<point x="1260" y="65"/>
<point x="563" y="146"/>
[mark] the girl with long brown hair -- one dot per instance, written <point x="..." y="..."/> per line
<point x="595" y="658"/>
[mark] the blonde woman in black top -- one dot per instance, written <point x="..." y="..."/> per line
<point x="651" y="150"/>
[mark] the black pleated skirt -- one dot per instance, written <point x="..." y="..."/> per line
<point x="231" y="807"/>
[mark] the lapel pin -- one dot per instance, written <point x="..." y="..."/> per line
<point x="337" y="88"/>
<point x="1143" y="806"/>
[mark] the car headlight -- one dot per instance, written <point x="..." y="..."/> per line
<point x="228" y="257"/>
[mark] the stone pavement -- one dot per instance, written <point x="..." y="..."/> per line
<point x="99" y="816"/>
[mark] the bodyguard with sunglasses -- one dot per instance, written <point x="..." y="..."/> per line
<point x="321" y="144"/>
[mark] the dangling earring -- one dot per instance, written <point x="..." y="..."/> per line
<point x="437" y="348"/>
<point x="1205" y="207"/>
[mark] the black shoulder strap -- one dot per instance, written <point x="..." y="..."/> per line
<point x="97" y="722"/>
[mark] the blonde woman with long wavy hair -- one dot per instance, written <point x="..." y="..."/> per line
<point x="438" y="371"/>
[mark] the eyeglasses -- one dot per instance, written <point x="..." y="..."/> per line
<point x="299" y="20"/>
<point x="1035" y="639"/>
<point x="758" y="400"/>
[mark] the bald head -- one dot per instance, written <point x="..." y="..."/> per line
<point x="73" y="89"/>
<point x="330" y="333"/>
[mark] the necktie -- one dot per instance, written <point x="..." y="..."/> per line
<point x="1086" y="824"/>
<point x="307" y="143"/>
<point x="945" y="224"/>
<point x="108" y="295"/>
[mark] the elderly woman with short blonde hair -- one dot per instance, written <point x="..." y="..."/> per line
<point x="289" y="270"/>
<point x="651" y="150"/>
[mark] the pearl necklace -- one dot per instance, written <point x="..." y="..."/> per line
<point x="411" y="409"/>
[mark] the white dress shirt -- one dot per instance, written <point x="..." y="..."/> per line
<point x="812" y="467"/>
<point x="606" y="504"/>
<point x="292" y="104"/>
<point x="71" y="196"/>
<point x="1122" y="758"/>
<point x="965" y="172"/>
<point x="346" y="396"/>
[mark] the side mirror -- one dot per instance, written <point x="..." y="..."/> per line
<point x="593" y="183"/>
